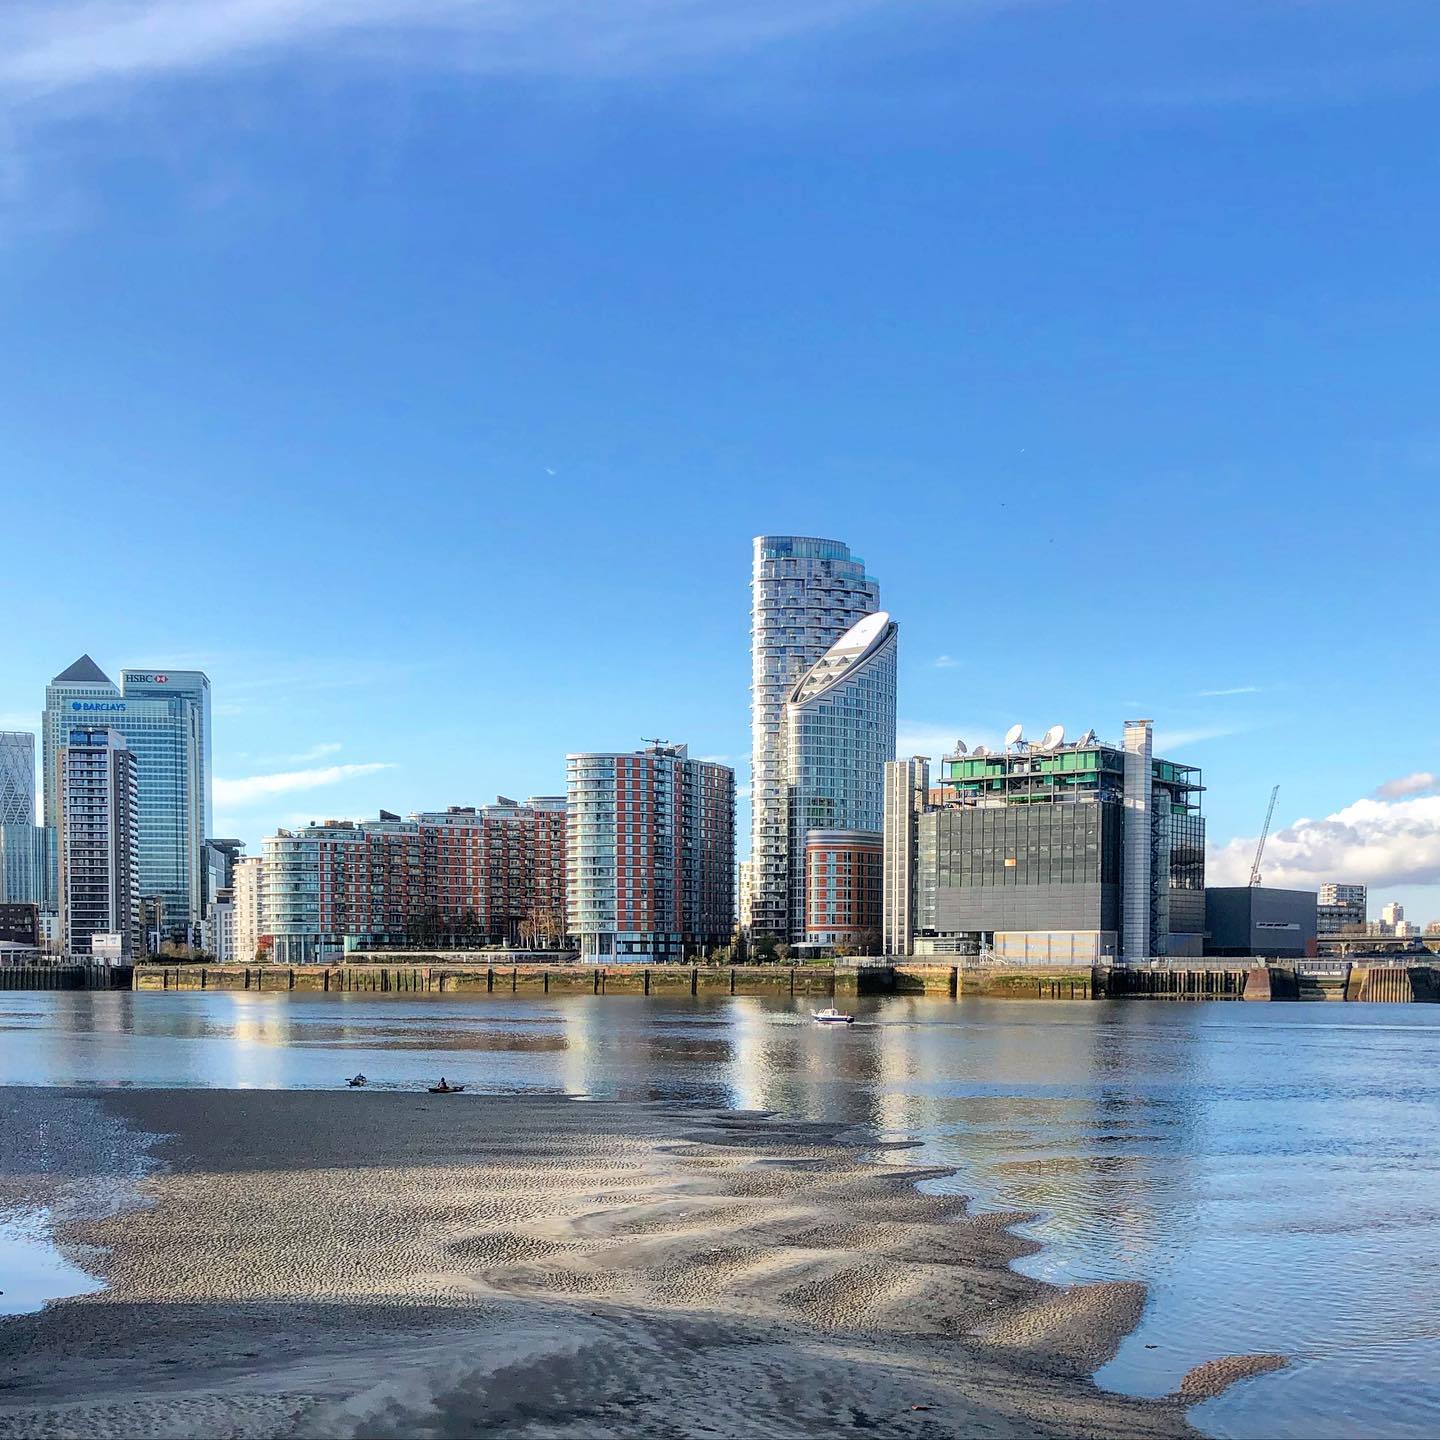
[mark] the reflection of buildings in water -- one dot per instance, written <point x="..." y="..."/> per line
<point x="257" y="1057"/>
<point x="749" y="1074"/>
<point x="254" y="1019"/>
<point x="1108" y="1159"/>
<point x="577" y="1062"/>
<point x="782" y="1061"/>
<point x="93" y="1012"/>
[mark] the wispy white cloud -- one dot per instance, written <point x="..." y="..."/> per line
<point x="1167" y="741"/>
<point x="1414" y="784"/>
<point x="49" y="51"/>
<point x="920" y="737"/>
<point x="1233" y="690"/>
<point x="1380" y="843"/>
<point x="251" y="788"/>
<point x="315" y="752"/>
<point x="945" y="662"/>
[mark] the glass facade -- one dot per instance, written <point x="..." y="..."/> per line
<point x="839" y="732"/>
<point x="805" y="593"/>
<point x="166" y="721"/>
<point x="1034" y="842"/>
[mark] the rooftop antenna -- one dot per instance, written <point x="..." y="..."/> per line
<point x="1053" y="738"/>
<point x="960" y="747"/>
<point x="1264" y="834"/>
<point x="1014" y="734"/>
<point x="1088" y="738"/>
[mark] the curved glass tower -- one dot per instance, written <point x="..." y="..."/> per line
<point x="839" y="731"/>
<point x="804" y="594"/>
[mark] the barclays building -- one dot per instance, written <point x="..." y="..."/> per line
<point x="164" y="716"/>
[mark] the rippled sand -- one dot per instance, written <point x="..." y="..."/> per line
<point x="383" y="1264"/>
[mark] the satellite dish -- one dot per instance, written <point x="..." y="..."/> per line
<point x="1013" y="734"/>
<point x="1088" y="738"/>
<point x="979" y="752"/>
<point x="1053" y="738"/>
<point x="959" y="747"/>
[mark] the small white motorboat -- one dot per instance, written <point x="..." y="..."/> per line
<point x="832" y="1016"/>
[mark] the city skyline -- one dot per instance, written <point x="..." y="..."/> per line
<point x="274" y="801"/>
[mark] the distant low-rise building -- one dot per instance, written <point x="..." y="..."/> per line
<point x="842" y="891"/>
<point x="1341" y="908"/>
<point x="245" y="890"/>
<point x="20" y="925"/>
<point x="463" y="877"/>
<point x="218" y="935"/>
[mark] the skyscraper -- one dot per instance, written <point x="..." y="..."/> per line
<point x="99" y="811"/>
<point x="81" y="695"/>
<point x="165" y="719"/>
<point x="27" y="850"/>
<point x="166" y="722"/>
<point x="804" y="594"/>
<point x="17" y="777"/>
<point x="839" y="731"/>
<point x="650" y="854"/>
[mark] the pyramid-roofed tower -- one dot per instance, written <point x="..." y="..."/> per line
<point x="83" y="672"/>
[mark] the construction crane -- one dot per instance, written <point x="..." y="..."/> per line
<point x="1264" y="832"/>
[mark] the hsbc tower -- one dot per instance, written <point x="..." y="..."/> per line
<point x="166" y="722"/>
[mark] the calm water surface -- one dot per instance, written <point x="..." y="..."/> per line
<point x="1271" y="1172"/>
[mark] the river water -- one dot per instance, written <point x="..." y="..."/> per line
<point x="1270" y="1172"/>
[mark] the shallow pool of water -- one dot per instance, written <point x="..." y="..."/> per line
<point x="32" y="1269"/>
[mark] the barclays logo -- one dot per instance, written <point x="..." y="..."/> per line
<point x="93" y="705"/>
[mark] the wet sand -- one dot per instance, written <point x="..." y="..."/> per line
<point x="375" y="1264"/>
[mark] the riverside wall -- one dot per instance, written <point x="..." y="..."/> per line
<point x="1216" y="981"/>
<point x="397" y="977"/>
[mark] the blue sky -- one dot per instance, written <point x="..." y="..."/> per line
<point x="423" y="370"/>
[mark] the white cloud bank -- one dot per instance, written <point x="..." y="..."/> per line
<point x="1380" y="843"/>
<point x="258" y="787"/>
<point x="1415" y="784"/>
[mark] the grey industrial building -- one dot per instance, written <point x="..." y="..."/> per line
<point x="1245" y="920"/>
<point x="1047" y="852"/>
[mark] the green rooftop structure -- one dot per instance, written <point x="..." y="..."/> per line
<point x="1053" y="852"/>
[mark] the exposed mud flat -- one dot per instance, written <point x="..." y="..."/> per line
<point x="313" y="1264"/>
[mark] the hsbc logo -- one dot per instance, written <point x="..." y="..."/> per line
<point x="149" y="679"/>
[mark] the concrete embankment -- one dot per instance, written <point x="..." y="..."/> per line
<point x="398" y="977"/>
<point x="427" y="974"/>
